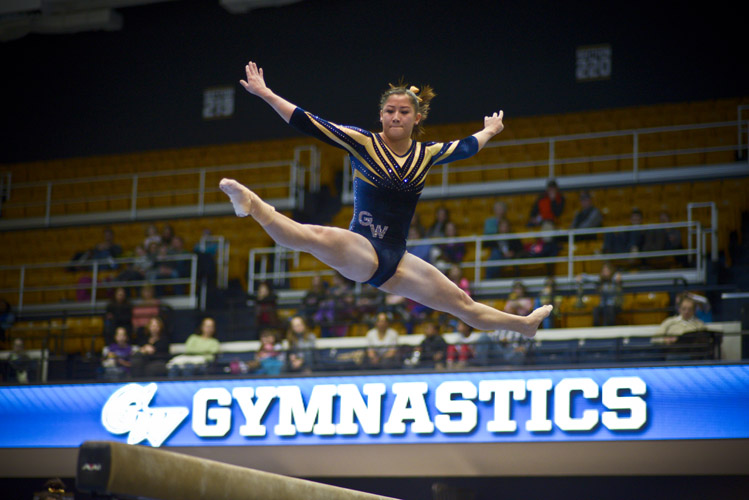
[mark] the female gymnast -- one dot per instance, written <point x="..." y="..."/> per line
<point x="390" y="168"/>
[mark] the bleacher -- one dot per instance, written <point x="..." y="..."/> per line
<point x="54" y="209"/>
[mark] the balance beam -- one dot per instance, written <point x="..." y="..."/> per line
<point x="109" y="468"/>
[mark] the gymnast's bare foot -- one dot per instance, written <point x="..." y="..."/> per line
<point x="241" y="197"/>
<point x="534" y="319"/>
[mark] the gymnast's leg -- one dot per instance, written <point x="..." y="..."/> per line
<point x="346" y="252"/>
<point x="425" y="284"/>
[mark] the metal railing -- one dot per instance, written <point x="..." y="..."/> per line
<point x="97" y="268"/>
<point x="299" y="173"/>
<point x="261" y="269"/>
<point x="553" y="159"/>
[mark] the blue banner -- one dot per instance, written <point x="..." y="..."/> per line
<point x="612" y="404"/>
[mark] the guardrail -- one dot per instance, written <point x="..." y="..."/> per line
<point x="269" y="263"/>
<point x="299" y="173"/>
<point x="96" y="268"/>
<point x="553" y="159"/>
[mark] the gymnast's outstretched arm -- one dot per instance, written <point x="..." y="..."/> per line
<point x="492" y="126"/>
<point x="255" y="85"/>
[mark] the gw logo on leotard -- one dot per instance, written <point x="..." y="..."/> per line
<point x="365" y="219"/>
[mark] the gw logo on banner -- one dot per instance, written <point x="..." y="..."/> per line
<point x="452" y="408"/>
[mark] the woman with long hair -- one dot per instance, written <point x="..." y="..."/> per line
<point x="389" y="171"/>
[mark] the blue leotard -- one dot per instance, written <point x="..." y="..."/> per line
<point x="387" y="186"/>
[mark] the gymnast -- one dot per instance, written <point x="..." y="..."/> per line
<point x="389" y="171"/>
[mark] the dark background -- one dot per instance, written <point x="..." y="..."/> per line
<point x="141" y="88"/>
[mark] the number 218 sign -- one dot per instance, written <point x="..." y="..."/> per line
<point x="593" y="63"/>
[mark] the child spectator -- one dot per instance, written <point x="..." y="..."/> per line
<point x="117" y="355"/>
<point x="266" y="307"/>
<point x="462" y="352"/>
<point x="269" y="359"/>
<point x="518" y="301"/>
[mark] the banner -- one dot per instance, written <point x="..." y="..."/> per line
<point x="611" y="404"/>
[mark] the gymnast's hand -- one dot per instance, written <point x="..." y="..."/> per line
<point x="493" y="124"/>
<point x="255" y="83"/>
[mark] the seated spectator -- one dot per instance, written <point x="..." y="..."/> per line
<point x="167" y="233"/>
<point x="201" y="349"/>
<point x="664" y="239"/>
<point x="549" y="296"/>
<point x="424" y="251"/>
<point x="437" y="229"/>
<point x="548" y="207"/>
<point x="116" y="355"/>
<point x="383" y="344"/>
<point x="609" y="289"/>
<point x="152" y="236"/>
<point x="503" y="249"/>
<point x="107" y="249"/>
<point x="543" y="246"/>
<point x="519" y="302"/>
<point x="301" y="346"/>
<point x="136" y="271"/>
<point x="588" y="216"/>
<point x="177" y="249"/>
<point x="153" y="351"/>
<point x="315" y="296"/>
<point x="163" y="269"/>
<point x="270" y="358"/>
<point x="20" y="363"/>
<point x="119" y="313"/>
<point x="630" y="241"/>
<point x="266" y="307"/>
<point x="501" y="347"/>
<point x="368" y="303"/>
<point x="450" y="253"/>
<point x="54" y="489"/>
<point x="685" y="322"/>
<point x="145" y="309"/>
<point x="462" y="352"/>
<point x="499" y="214"/>
<point x="338" y="308"/>
<point x="432" y="351"/>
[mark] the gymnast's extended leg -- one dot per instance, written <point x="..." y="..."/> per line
<point x="425" y="284"/>
<point x="346" y="252"/>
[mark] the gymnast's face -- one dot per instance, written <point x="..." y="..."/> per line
<point x="398" y="117"/>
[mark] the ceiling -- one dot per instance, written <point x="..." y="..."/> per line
<point x="19" y="18"/>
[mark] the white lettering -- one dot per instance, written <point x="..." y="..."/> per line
<point x="501" y="390"/>
<point x="201" y="414"/>
<point x="636" y="405"/>
<point x="253" y="412"/>
<point x="448" y="406"/>
<point x="409" y="404"/>
<point x="563" y="404"/>
<point x="352" y="403"/>
<point x="365" y="218"/>
<point x="319" y="408"/>
<point x="539" y="389"/>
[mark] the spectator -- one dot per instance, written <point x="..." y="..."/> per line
<point x="7" y="317"/>
<point x="432" y="351"/>
<point x="107" y="249"/>
<point x="314" y="297"/>
<point x="462" y="352"/>
<point x="501" y="347"/>
<point x="266" y="307"/>
<point x="119" y="313"/>
<point x="163" y="268"/>
<point x="450" y="253"/>
<point x="503" y="249"/>
<point x="609" y="289"/>
<point x="424" y="251"/>
<point x="338" y="308"/>
<point x="201" y="349"/>
<point x="628" y="241"/>
<point x="499" y="214"/>
<point x="519" y="302"/>
<point x="416" y="222"/>
<point x="136" y="271"/>
<point x="167" y="233"/>
<point x="685" y="322"/>
<point x="664" y="239"/>
<point x="383" y="344"/>
<point x="587" y="217"/>
<point x="301" y="346"/>
<point x="437" y="229"/>
<point x="269" y="359"/>
<point x="116" y="362"/>
<point x="54" y="489"/>
<point x="543" y="246"/>
<point x="148" y="307"/>
<point x="182" y="266"/>
<point x="152" y="236"/>
<point x="547" y="296"/>
<point x="20" y="363"/>
<point x="548" y="206"/>
<point x="153" y="352"/>
<point x="368" y="303"/>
